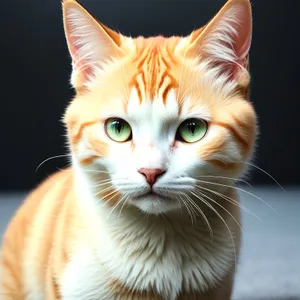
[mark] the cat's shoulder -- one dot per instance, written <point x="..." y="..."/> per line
<point x="55" y="186"/>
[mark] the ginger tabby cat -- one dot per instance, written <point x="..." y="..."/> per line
<point x="159" y="131"/>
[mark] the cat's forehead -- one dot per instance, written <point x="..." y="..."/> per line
<point x="155" y="69"/>
<point x="159" y="81"/>
<point x="155" y="107"/>
<point x="156" y="81"/>
<point x="159" y="111"/>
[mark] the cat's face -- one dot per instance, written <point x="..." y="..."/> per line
<point x="155" y="119"/>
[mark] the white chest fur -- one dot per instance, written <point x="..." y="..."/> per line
<point x="142" y="253"/>
<point x="167" y="254"/>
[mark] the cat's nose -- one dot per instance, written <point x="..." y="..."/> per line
<point x="151" y="175"/>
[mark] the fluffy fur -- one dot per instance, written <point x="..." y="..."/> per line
<point x="92" y="231"/>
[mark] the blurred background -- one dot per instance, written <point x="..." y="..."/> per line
<point x="35" y="70"/>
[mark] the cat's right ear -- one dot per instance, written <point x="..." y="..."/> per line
<point x="91" y="44"/>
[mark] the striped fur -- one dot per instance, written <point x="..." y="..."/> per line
<point x="83" y="233"/>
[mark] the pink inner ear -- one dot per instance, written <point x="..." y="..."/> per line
<point x="78" y="63"/>
<point x="242" y="41"/>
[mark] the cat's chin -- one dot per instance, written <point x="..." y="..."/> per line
<point x="152" y="203"/>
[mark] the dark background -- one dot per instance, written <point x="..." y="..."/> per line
<point x="35" y="69"/>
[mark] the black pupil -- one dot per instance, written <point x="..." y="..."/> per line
<point x="118" y="126"/>
<point x="191" y="126"/>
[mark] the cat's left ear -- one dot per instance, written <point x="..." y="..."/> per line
<point x="90" y="43"/>
<point x="225" y="41"/>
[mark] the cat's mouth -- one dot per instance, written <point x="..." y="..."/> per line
<point x="155" y="201"/>
<point x="151" y="195"/>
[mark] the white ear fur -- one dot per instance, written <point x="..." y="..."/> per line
<point x="90" y="44"/>
<point x="226" y="40"/>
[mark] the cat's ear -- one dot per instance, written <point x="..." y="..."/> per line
<point x="90" y="43"/>
<point x="226" y="39"/>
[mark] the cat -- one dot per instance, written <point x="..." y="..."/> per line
<point x="159" y="131"/>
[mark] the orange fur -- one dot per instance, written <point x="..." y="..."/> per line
<point x="42" y="236"/>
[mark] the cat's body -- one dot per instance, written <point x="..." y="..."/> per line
<point x="61" y="255"/>
<point x="147" y="210"/>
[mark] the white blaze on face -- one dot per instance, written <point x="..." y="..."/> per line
<point x="154" y="125"/>
<point x="153" y="130"/>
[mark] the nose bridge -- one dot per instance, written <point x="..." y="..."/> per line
<point x="151" y="156"/>
<point x="151" y="149"/>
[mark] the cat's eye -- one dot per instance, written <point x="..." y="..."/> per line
<point x="118" y="130"/>
<point x="191" y="130"/>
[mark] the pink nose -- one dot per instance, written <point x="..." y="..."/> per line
<point x="151" y="175"/>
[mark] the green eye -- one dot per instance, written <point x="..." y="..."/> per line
<point x="118" y="130"/>
<point x="191" y="130"/>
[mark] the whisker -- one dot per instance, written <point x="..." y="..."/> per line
<point x="178" y="200"/>
<point x="115" y="206"/>
<point x="202" y="214"/>
<point x="265" y="172"/>
<point x="230" y="200"/>
<point x="124" y="202"/>
<point x="224" y="177"/>
<point x="50" y="158"/>
<point x="222" y="207"/>
<point x="222" y="219"/>
<point x="258" y="168"/>
<point x="111" y="193"/>
<point x="61" y="156"/>
<point x="188" y="209"/>
<point x="96" y="171"/>
<point x="109" y="180"/>
<point x="242" y="190"/>
<point x="101" y="183"/>
<point x="106" y="189"/>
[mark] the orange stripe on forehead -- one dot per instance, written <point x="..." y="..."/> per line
<point x="137" y="87"/>
<point x="142" y="61"/>
<point x="153" y="68"/>
<point x="141" y="56"/>
<point x="165" y="62"/>
<point x="162" y="79"/>
<point x="173" y="84"/>
<point x="166" y="92"/>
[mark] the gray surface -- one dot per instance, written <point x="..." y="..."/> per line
<point x="269" y="267"/>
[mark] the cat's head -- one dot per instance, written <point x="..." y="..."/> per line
<point x="156" y="121"/>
